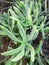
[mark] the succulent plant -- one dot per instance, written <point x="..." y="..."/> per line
<point x="23" y="16"/>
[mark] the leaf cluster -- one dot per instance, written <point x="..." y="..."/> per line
<point x="24" y="15"/>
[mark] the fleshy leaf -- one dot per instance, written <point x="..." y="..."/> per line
<point x="32" y="54"/>
<point x="22" y="31"/>
<point x="19" y="56"/>
<point x="34" y="33"/>
<point x="10" y="34"/>
<point x="14" y="51"/>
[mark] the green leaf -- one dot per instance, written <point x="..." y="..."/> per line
<point x="31" y="5"/>
<point x="10" y="48"/>
<point x="43" y="33"/>
<point x="27" y="51"/>
<point x="29" y="17"/>
<point x="40" y="60"/>
<point x="2" y="33"/>
<point x="22" y="31"/>
<point x="12" y="24"/>
<point x="32" y="52"/>
<point x="3" y="22"/>
<point x="42" y="30"/>
<point x="8" y="62"/>
<point x="38" y="49"/>
<point x="18" y="11"/>
<point x="13" y="13"/>
<point x="27" y="64"/>
<point x="47" y="23"/>
<point x="39" y="3"/>
<point x="46" y="29"/>
<point x="36" y="12"/>
<point x="20" y="62"/>
<point x="30" y="63"/>
<point x="14" y="51"/>
<point x="47" y="60"/>
<point x="26" y="8"/>
<point x="14" y="63"/>
<point x="13" y="18"/>
<point x="19" y="56"/>
<point x="22" y="4"/>
<point x="34" y="33"/>
<point x="10" y="34"/>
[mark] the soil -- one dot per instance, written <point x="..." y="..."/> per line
<point x="46" y="48"/>
<point x="4" y="6"/>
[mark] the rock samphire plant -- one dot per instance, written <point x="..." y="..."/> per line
<point x="22" y="24"/>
